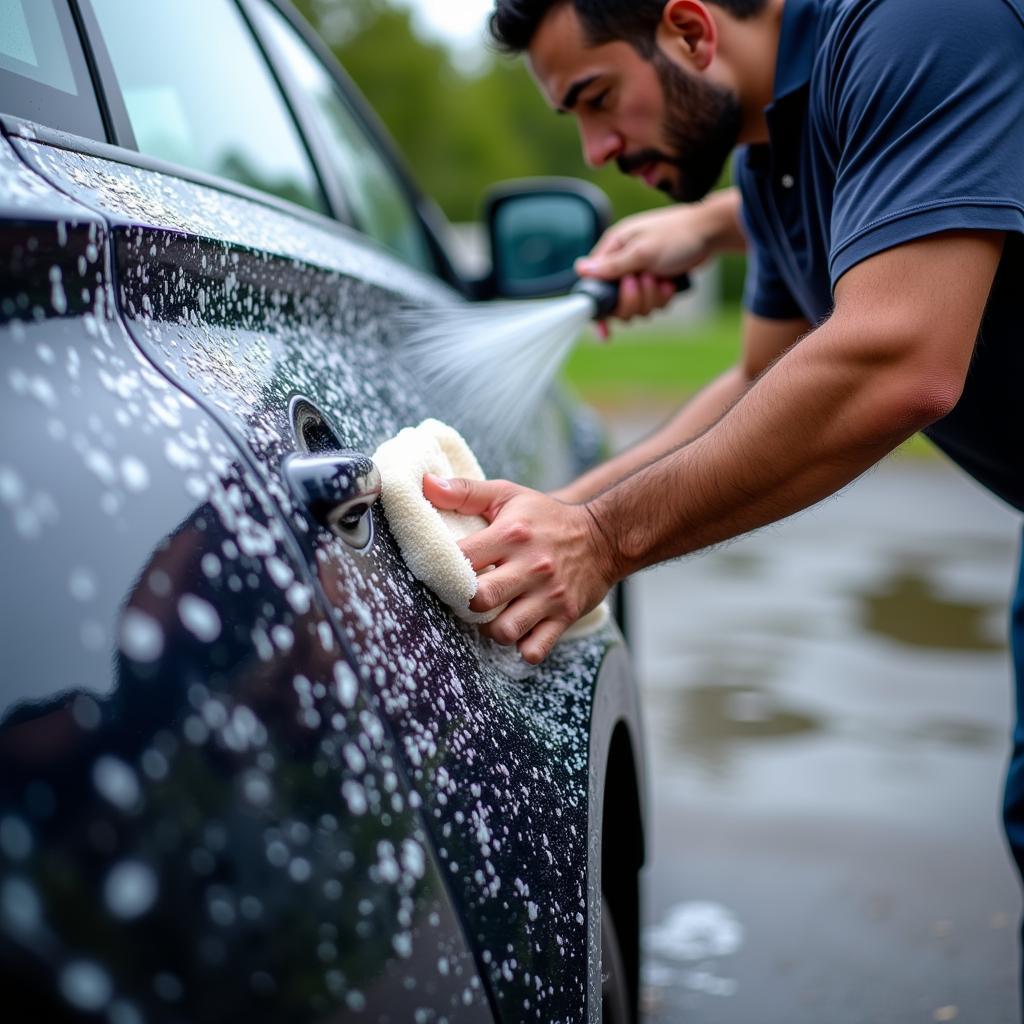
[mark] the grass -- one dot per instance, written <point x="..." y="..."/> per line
<point x="660" y="360"/>
<point x="666" y="363"/>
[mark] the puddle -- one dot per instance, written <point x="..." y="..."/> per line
<point x="947" y="733"/>
<point x="713" y="713"/>
<point x="907" y="608"/>
<point x="710" y="721"/>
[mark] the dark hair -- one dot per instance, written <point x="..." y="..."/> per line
<point x="514" y="22"/>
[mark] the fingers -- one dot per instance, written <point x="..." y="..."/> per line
<point x="640" y="295"/>
<point x="541" y="641"/>
<point x="483" y="549"/>
<point x="505" y="582"/>
<point x="468" y="497"/>
<point x="630" y="259"/>
<point x="526" y="624"/>
<point x="614" y="238"/>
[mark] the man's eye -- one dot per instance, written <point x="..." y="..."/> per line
<point x="597" y="102"/>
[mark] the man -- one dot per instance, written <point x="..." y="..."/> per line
<point x="881" y="188"/>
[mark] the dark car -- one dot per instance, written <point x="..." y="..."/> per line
<point x="250" y="768"/>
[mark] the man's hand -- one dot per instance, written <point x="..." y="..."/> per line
<point x="647" y="251"/>
<point x="551" y="563"/>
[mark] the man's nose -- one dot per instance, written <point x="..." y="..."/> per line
<point x="600" y="144"/>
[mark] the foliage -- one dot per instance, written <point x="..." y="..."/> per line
<point x="459" y="133"/>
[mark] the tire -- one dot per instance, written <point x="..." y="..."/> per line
<point x="615" y="1001"/>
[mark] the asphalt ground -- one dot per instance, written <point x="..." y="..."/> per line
<point x="828" y="706"/>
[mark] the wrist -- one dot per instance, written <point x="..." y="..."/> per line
<point x="719" y="222"/>
<point x="607" y="550"/>
<point x="568" y="495"/>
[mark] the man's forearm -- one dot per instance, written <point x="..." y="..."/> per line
<point x="693" y="419"/>
<point x="812" y="423"/>
<point x="763" y="341"/>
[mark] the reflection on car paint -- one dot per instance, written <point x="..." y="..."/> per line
<point x="179" y="802"/>
<point x="225" y="297"/>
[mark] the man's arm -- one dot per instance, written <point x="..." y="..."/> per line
<point x="892" y="359"/>
<point x="763" y="341"/>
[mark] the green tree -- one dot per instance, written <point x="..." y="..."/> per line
<point x="459" y="133"/>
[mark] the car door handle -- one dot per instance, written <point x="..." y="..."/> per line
<point x="339" y="490"/>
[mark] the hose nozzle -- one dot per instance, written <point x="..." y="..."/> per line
<point x="605" y="294"/>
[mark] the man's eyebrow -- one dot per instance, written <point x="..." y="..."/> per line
<point x="573" y="93"/>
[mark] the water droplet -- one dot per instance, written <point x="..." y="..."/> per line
<point x="345" y="681"/>
<point x="123" y="1012"/>
<point x="15" y="837"/>
<point x="58" y="298"/>
<point x="280" y="573"/>
<point x="134" y="474"/>
<point x="82" y="584"/>
<point x="86" y="985"/>
<point x="21" y="905"/>
<point x="114" y="780"/>
<point x="300" y="870"/>
<point x="12" y="490"/>
<point x="277" y="853"/>
<point x="141" y="637"/>
<point x="413" y="861"/>
<point x="154" y="764"/>
<point x="256" y="787"/>
<point x="86" y="712"/>
<point x="355" y="797"/>
<point x="130" y="889"/>
<point x="199" y="617"/>
<point x="222" y="913"/>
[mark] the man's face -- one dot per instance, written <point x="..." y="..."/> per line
<point x="663" y="123"/>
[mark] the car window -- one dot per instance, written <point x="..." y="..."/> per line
<point x="379" y="205"/>
<point x="199" y="93"/>
<point x="43" y="75"/>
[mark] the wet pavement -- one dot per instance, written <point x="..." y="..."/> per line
<point x="828" y="709"/>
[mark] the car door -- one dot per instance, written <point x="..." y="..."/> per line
<point x="283" y="326"/>
<point x="202" y="817"/>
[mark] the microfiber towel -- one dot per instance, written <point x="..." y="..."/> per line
<point x="428" y="537"/>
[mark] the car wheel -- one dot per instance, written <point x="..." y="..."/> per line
<point x="614" y="984"/>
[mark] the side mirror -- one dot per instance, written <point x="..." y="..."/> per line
<point x="538" y="227"/>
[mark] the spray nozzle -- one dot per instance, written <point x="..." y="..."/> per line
<point x="605" y="294"/>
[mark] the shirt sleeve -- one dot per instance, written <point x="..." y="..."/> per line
<point x="924" y="122"/>
<point x="765" y="292"/>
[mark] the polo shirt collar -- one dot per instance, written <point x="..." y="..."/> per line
<point x="797" y="47"/>
<point x="794" y="63"/>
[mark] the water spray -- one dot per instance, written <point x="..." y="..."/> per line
<point x="490" y="363"/>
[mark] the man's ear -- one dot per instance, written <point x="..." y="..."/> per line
<point x="688" y="28"/>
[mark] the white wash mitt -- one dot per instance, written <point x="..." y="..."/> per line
<point x="427" y="536"/>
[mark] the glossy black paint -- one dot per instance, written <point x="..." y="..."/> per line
<point x="198" y="804"/>
<point x="242" y="760"/>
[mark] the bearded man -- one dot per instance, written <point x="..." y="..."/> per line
<point x="879" y="164"/>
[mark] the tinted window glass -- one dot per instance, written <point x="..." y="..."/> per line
<point x="378" y="204"/>
<point x="43" y="76"/>
<point x="199" y="93"/>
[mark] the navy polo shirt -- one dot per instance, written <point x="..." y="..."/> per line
<point x="893" y="120"/>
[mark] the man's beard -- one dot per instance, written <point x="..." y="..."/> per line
<point x="702" y="126"/>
